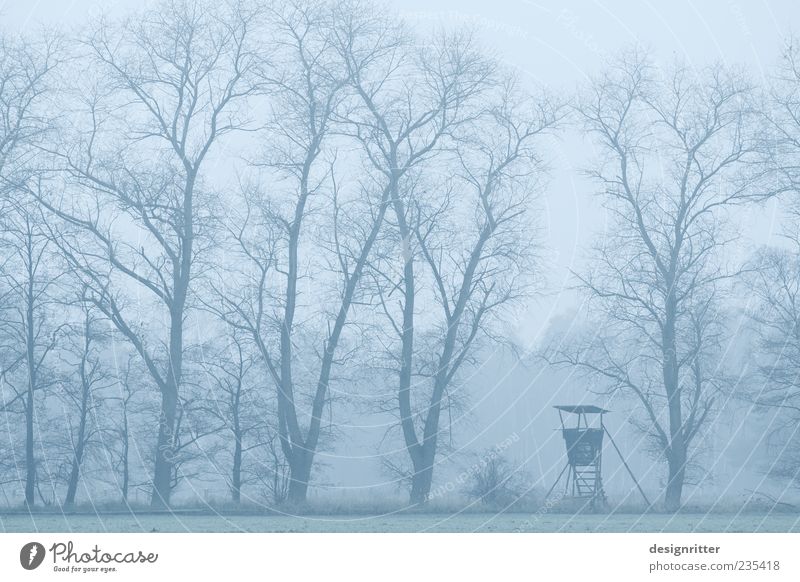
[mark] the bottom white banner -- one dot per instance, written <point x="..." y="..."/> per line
<point x="389" y="557"/>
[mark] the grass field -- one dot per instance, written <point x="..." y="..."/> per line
<point x="517" y="522"/>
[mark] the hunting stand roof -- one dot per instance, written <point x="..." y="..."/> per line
<point x="582" y="409"/>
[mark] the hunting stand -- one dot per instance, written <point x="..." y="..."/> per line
<point x="584" y="443"/>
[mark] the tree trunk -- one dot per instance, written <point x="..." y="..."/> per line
<point x="423" y="475"/>
<point x="30" y="462"/>
<point x="162" y="476"/>
<point x="30" y="356"/>
<point x="125" y="470"/>
<point x="422" y="479"/>
<point x="125" y="436"/>
<point x="74" y="477"/>
<point x="236" y="477"/>
<point x="300" y="475"/>
<point x="165" y="452"/>
<point x="80" y="443"/>
<point x="677" y="475"/>
<point x="72" y="486"/>
<point x="676" y="451"/>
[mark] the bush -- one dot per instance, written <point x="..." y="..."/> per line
<point x="496" y="483"/>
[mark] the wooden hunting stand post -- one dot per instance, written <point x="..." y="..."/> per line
<point x="584" y="443"/>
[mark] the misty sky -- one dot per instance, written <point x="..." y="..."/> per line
<point x="560" y="45"/>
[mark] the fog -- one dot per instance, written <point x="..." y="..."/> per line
<point x="500" y="403"/>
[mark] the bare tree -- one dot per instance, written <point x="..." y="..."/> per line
<point x="305" y="223"/>
<point x="775" y="286"/>
<point x="31" y="279"/>
<point x="172" y="85"/>
<point x="235" y="403"/>
<point x="416" y="111"/>
<point x="120" y="429"/>
<point x="784" y="119"/>
<point x="83" y="398"/>
<point x="475" y="239"/>
<point x="679" y="148"/>
<point x="25" y="72"/>
<point x="269" y="469"/>
<point x="411" y="100"/>
<point x="774" y="282"/>
<point x="26" y="69"/>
